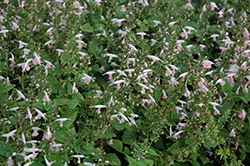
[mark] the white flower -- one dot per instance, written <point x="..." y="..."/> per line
<point x="10" y="134"/>
<point x="41" y="114"/>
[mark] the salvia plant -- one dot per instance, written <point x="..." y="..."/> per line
<point x="120" y="82"/>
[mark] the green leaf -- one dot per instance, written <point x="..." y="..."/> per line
<point x="52" y="80"/>
<point x="152" y="152"/>
<point x="195" y="163"/>
<point x="64" y="58"/>
<point x="98" y="26"/>
<point x="7" y="88"/>
<point x="227" y="87"/>
<point x="208" y="144"/>
<point x="226" y="106"/>
<point x="145" y="162"/>
<point x="5" y="149"/>
<point x="113" y="159"/>
<point x="159" y="144"/>
<point x="126" y="150"/>
<point x="204" y="159"/>
<point x="13" y="122"/>
<point x="131" y="160"/>
<point x="117" y="145"/>
<point x="109" y="134"/>
<point x="61" y="101"/>
<point x="69" y="88"/>
<point x="87" y="149"/>
<point x="77" y="96"/>
<point x="56" y="158"/>
<point x="180" y="164"/>
<point x="37" y="164"/>
<point x="128" y="137"/>
<point x="119" y="126"/>
<point x="189" y="141"/>
<point x="224" y="133"/>
<point x="71" y="114"/>
<point x="96" y="68"/>
<point x="247" y="148"/>
<point x="73" y="103"/>
<point x="87" y="28"/>
<point x="176" y="147"/>
<point x="213" y="28"/>
<point x="243" y="155"/>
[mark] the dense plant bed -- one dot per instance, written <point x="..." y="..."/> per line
<point x="119" y="82"/>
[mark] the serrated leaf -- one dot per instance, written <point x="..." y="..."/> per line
<point x="77" y="96"/>
<point x="119" y="126"/>
<point x="145" y="162"/>
<point x="71" y="114"/>
<point x="7" y="88"/>
<point x="61" y="101"/>
<point x="152" y="152"/>
<point x="213" y="28"/>
<point x="131" y="160"/>
<point x="128" y="137"/>
<point x="117" y="145"/>
<point x="113" y="159"/>
<point x="73" y="103"/>
<point x="204" y="159"/>
<point x="87" y="28"/>
<point x="208" y="144"/>
<point x="5" y="148"/>
<point x="189" y="141"/>
<point x="195" y="163"/>
<point x="227" y="87"/>
<point x="226" y="106"/>
<point x="69" y="88"/>
<point x="126" y="150"/>
<point x="56" y="158"/>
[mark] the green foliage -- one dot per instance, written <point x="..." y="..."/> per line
<point x="124" y="83"/>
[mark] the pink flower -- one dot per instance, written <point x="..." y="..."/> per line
<point x="245" y="89"/>
<point x="87" y="78"/>
<point x="20" y="95"/>
<point x="61" y="120"/>
<point x="74" y="89"/>
<point x="35" y="132"/>
<point x="214" y="36"/>
<point x="36" y="60"/>
<point x="220" y="14"/>
<point x="10" y="134"/>
<point x="98" y="111"/>
<point x="216" y="112"/>
<point x="156" y="23"/>
<point x="246" y="34"/>
<point x="46" y="97"/>
<point x="76" y="5"/>
<point x="207" y="64"/>
<point x="164" y="95"/>
<point x="79" y="158"/>
<point x="244" y="66"/>
<point x="232" y="133"/>
<point x="14" y="26"/>
<point x="110" y="74"/>
<point x="6" y="1"/>
<point x="187" y="93"/>
<point x="183" y="115"/>
<point x="25" y="66"/>
<point x="213" y="6"/>
<point x="242" y="114"/>
<point x="204" y="9"/>
<point x="184" y="34"/>
<point x="48" y="134"/>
